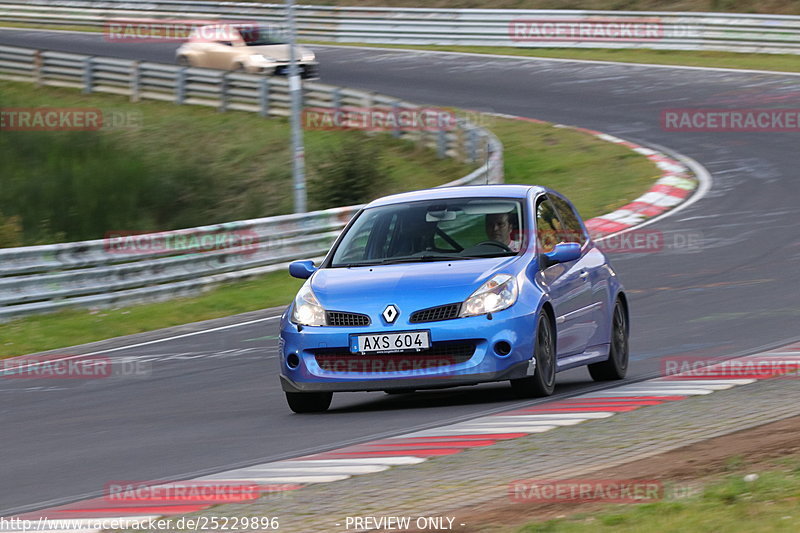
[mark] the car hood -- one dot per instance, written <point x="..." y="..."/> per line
<point x="409" y="286"/>
<point x="278" y="51"/>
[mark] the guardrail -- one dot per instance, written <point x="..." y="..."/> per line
<point x="477" y="27"/>
<point x="121" y="270"/>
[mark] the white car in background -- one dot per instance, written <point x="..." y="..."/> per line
<point x="244" y="48"/>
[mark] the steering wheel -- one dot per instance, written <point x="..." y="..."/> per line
<point x="496" y="243"/>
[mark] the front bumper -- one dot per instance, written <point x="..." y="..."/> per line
<point x="518" y="370"/>
<point x="308" y="70"/>
<point x="308" y="349"/>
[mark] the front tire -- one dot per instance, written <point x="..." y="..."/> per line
<point x="543" y="381"/>
<point x="184" y="61"/>
<point x="616" y="366"/>
<point x="309" y="402"/>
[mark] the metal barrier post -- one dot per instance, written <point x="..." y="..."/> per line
<point x="37" y="68"/>
<point x="397" y="132"/>
<point x="136" y="81"/>
<point x="180" y="86"/>
<point x="223" y="93"/>
<point x="441" y="143"/>
<point x="263" y="96"/>
<point x="472" y="145"/>
<point x="88" y="78"/>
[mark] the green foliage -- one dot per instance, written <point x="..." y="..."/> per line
<point x="345" y="174"/>
<point x="10" y="231"/>
<point x="182" y="166"/>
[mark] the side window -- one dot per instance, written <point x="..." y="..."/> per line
<point x="548" y="226"/>
<point x="356" y="242"/>
<point x="572" y="230"/>
<point x="383" y="236"/>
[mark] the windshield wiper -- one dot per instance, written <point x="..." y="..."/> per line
<point x="422" y="259"/>
<point x="414" y="259"/>
<point x="496" y="254"/>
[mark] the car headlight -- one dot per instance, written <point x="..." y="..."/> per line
<point x="307" y="311"/>
<point x="261" y="58"/>
<point x="497" y="294"/>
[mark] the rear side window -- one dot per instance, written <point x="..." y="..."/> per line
<point x="571" y="227"/>
<point x="548" y="226"/>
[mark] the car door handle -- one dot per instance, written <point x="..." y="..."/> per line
<point x="584" y="275"/>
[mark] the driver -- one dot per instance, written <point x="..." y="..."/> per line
<point x="500" y="228"/>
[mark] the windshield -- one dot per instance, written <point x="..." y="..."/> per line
<point x="433" y="230"/>
<point x="262" y="35"/>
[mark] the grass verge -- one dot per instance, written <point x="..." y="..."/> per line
<point x="79" y="326"/>
<point x="729" y="504"/>
<point x="176" y="166"/>
<point x="596" y="174"/>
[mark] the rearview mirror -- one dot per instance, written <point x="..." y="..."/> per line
<point x="564" y="252"/>
<point x="301" y="269"/>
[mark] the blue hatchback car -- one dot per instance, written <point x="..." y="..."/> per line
<point x="454" y="286"/>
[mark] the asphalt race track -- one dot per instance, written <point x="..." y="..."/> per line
<point x="213" y="401"/>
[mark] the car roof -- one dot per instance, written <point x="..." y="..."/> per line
<point x="467" y="191"/>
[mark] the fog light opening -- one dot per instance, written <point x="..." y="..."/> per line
<point x="292" y="361"/>
<point x="502" y="348"/>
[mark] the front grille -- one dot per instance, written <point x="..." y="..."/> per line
<point x="438" y="355"/>
<point x="340" y="318"/>
<point x="434" y="314"/>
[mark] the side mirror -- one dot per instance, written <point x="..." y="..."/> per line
<point x="301" y="269"/>
<point x="564" y="252"/>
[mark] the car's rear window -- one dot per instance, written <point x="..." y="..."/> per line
<point x="262" y="35"/>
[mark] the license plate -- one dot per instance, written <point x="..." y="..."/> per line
<point x="391" y="342"/>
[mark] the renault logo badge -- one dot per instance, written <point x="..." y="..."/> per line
<point x="390" y="313"/>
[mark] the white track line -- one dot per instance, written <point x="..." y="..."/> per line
<point x="452" y="431"/>
<point x="531" y="418"/>
<point x="282" y="479"/>
<point x="394" y="460"/>
<point x="555" y="59"/>
<point x="558" y="416"/>
<point x="655" y="392"/>
<point x="708" y="381"/>
<point x="278" y="469"/>
<point x="516" y="423"/>
<point x="140" y="344"/>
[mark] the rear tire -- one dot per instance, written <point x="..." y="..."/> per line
<point x="543" y="381"/>
<point x="616" y="366"/>
<point x="309" y="402"/>
<point x="184" y="61"/>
